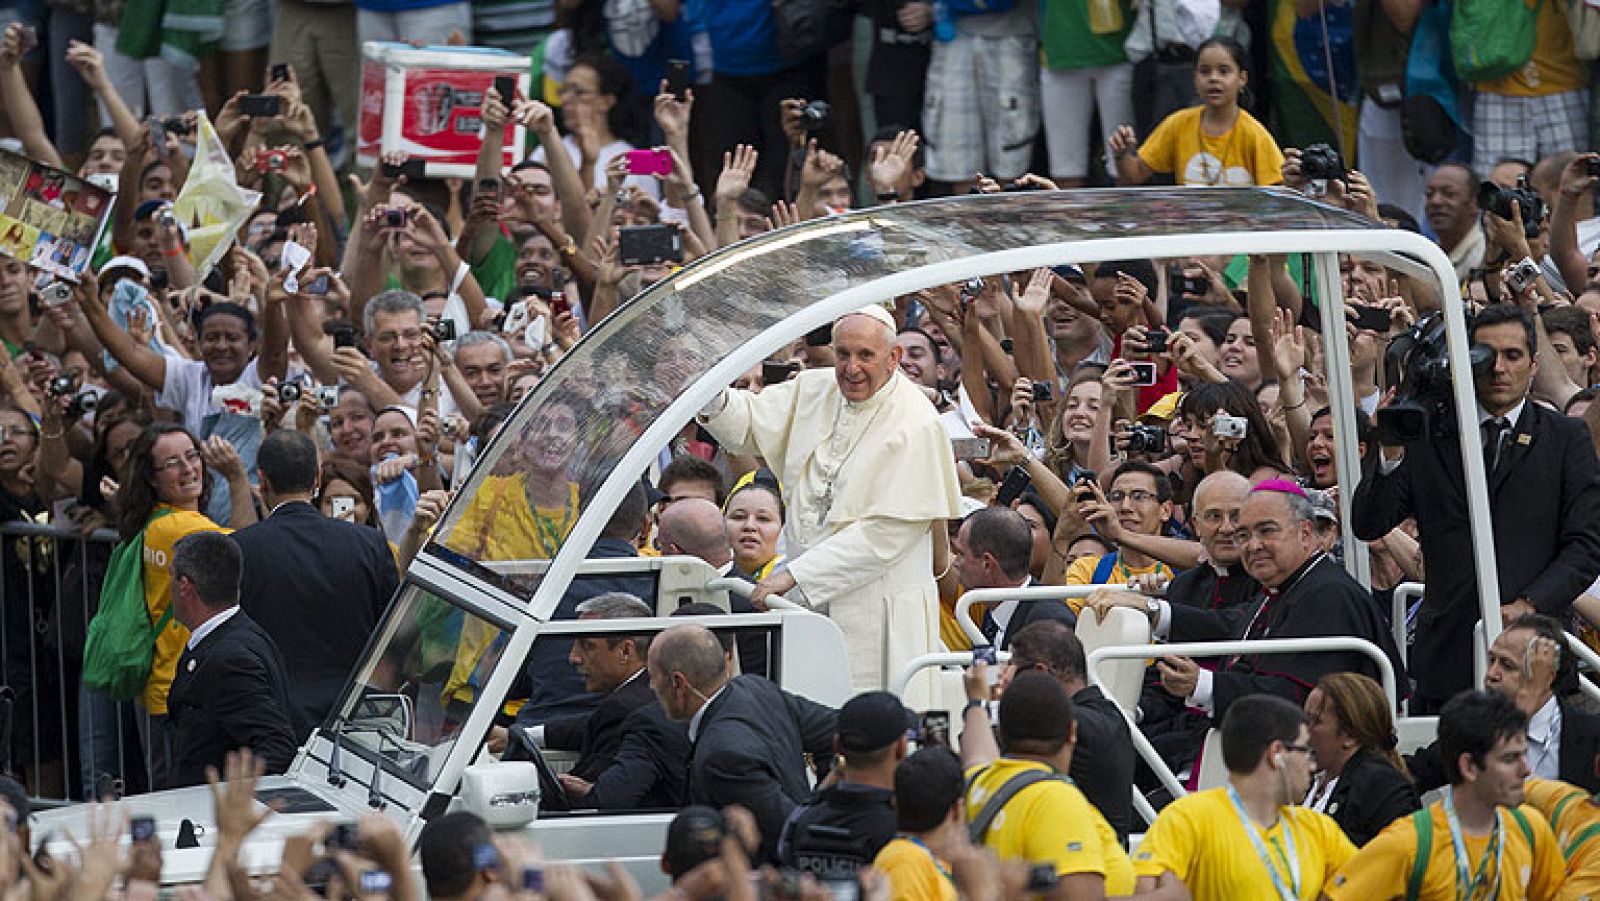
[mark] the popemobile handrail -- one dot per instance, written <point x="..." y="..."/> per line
<point x="965" y="603"/>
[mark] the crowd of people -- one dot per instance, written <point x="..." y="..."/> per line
<point x="1160" y="428"/>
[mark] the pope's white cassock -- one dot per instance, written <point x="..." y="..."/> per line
<point x="863" y="484"/>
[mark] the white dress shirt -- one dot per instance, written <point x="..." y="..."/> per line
<point x="694" y="721"/>
<point x="206" y="628"/>
<point x="1544" y="741"/>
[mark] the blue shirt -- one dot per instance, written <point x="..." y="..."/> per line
<point x="744" y="35"/>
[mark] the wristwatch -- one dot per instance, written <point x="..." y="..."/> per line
<point x="978" y="703"/>
<point x="1152" y="608"/>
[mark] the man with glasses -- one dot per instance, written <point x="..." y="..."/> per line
<point x="1248" y="838"/>
<point x="1306" y="595"/>
<point x="1136" y="505"/>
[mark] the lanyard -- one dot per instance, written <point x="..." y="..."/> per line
<point x="1291" y="861"/>
<point x="938" y="864"/>
<point x="1458" y="845"/>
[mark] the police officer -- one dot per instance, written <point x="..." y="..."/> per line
<point x="842" y="828"/>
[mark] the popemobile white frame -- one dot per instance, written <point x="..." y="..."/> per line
<point x="526" y="618"/>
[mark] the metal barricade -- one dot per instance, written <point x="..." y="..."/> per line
<point x="62" y="743"/>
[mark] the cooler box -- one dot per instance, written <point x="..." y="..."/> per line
<point x="424" y="101"/>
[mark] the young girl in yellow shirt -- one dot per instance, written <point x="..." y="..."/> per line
<point x="1213" y="144"/>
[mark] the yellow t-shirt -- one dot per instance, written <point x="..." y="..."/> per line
<point x="1382" y="868"/>
<point x="1082" y="571"/>
<point x="500" y="525"/>
<point x="159" y="537"/>
<point x="1200" y="839"/>
<point x="1554" y="66"/>
<point x="1246" y="155"/>
<point x="913" y="873"/>
<point x="1571" y="814"/>
<point x="1049" y="822"/>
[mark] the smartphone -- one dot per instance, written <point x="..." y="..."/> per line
<point x="279" y="72"/>
<point x="1156" y="341"/>
<point x="559" y="304"/>
<point x="678" y="78"/>
<point x="776" y="373"/>
<point x="344" y="337"/>
<point x="485" y="857"/>
<point x="933" y="729"/>
<point x="506" y="87"/>
<point x="27" y="39"/>
<point x="1181" y="285"/>
<point x="649" y="162"/>
<point x="1144" y="373"/>
<point x="375" y="882"/>
<point x="490" y="187"/>
<point x="318" y="285"/>
<point x="414" y="169"/>
<point x="970" y="448"/>
<point x="158" y="135"/>
<point x="984" y="653"/>
<point x="1592" y="167"/>
<point x="142" y="829"/>
<point x="265" y="106"/>
<point x="1011" y="487"/>
<point x="1370" y="318"/>
<point x="643" y="244"/>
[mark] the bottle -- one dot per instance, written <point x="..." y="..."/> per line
<point x="944" y="23"/>
<point x="1105" y="16"/>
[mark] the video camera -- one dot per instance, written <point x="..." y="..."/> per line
<point x="1418" y="364"/>
<point x="1498" y="200"/>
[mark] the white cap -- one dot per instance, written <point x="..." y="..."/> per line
<point x="876" y="312"/>
<point x="127" y="262"/>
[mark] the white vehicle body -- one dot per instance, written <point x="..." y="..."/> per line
<point x="633" y="383"/>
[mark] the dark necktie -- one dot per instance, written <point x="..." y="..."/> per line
<point x="1494" y="428"/>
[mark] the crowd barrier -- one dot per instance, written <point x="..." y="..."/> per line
<point x="63" y="743"/>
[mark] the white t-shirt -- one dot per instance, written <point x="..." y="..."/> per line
<point x="413" y="398"/>
<point x="188" y="385"/>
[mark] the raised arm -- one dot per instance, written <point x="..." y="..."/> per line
<point x="1131" y="170"/>
<point x="146" y="365"/>
<point x="540" y="119"/>
<point x="92" y="69"/>
<point x="18" y="101"/>
<point x="1032" y="344"/>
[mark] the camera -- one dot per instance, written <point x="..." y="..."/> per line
<point x="984" y="653"/>
<point x="343" y="336"/>
<point x="1225" y="426"/>
<point x="1592" y="167"/>
<point x="1146" y="439"/>
<point x="443" y="330"/>
<point x="970" y="448"/>
<point x="1041" y="392"/>
<point x="1417" y="364"/>
<point x="1320" y="164"/>
<point x="328" y="397"/>
<point x="289" y="392"/>
<point x="142" y="829"/>
<point x="1495" y="199"/>
<point x="1522" y="275"/>
<point x="342" y="837"/>
<point x="394" y="218"/>
<point x="165" y="217"/>
<point x="814" y="116"/>
<point x="1156" y="341"/>
<point x="970" y="289"/>
<point x="61" y="386"/>
<point x="271" y="160"/>
<point x="55" y="294"/>
<point x="1181" y="285"/>
<point x="83" y="403"/>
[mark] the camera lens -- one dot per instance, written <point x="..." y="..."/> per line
<point x="288" y="392"/>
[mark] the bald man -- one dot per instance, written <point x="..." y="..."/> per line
<point x="694" y="527"/>
<point x="867" y="471"/>
<point x="749" y="737"/>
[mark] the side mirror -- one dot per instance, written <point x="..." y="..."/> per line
<point x="505" y="794"/>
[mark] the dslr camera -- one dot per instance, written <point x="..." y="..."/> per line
<point x="1495" y="199"/>
<point x="1320" y="164"/>
<point x="1418" y="364"/>
<point x="1146" y="439"/>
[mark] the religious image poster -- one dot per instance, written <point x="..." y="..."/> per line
<point x="49" y="218"/>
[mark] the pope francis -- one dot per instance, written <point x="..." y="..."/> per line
<point x="867" y="472"/>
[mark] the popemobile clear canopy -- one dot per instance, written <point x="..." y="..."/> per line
<point x="600" y="418"/>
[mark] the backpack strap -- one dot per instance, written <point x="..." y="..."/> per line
<point x="1108" y="563"/>
<point x="991" y="809"/>
<point x="1422" y="821"/>
<point x="1577" y="841"/>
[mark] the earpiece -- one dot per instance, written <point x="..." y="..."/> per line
<point x="1278" y="758"/>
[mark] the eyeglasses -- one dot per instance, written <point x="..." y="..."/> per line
<point x="1137" y="495"/>
<point x="1266" y="533"/>
<point x="412" y="336"/>
<point x="1299" y="749"/>
<point x="178" y="464"/>
<point x="1218" y="517"/>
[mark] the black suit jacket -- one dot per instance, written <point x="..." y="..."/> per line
<point x="1022" y="616"/>
<point x="1370" y="795"/>
<point x="1102" y="762"/>
<point x="1321" y="600"/>
<point x="230" y="692"/>
<point x="750" y="749"/>
<point x="650" y="768"/>
<point x="596" y="736"/>
<point x="1545" y="502"/>
<point x="1579" y="743"/>
<point x="318" y="586"/>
